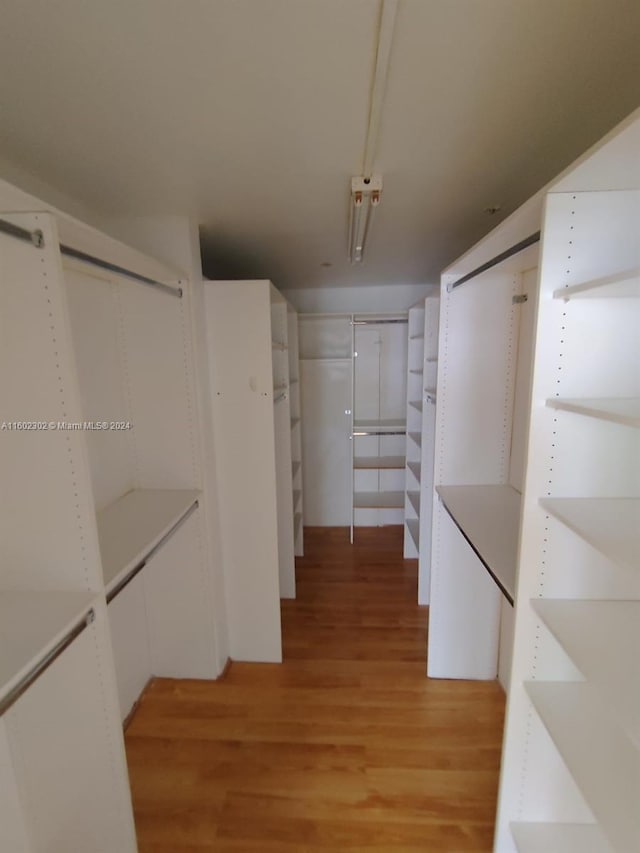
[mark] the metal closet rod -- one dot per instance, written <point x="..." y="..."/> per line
<point x="377" y="322"/>
<point x="36" y="238"/>
<point x="126" y="580"/>
<point x="23" y="685"/>
<point x="508" y="253"/>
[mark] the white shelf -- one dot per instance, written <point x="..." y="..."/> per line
<point x="417" y="372"/>
<point x="416" y="437"/>
<point x="610" y="525"/>
<point x="414" y="500"/>
<point x="416" y="338"/>
<point x="277" y="388"/>
<point x="431" y="360"/>
<point x="413" y="526"/>
<point x="624" y="284"/>
<point x="129" y="528"/>
<point x="297" y="493"/>
<point x="277" y="345"/>
<point x="601" y="759"/>
<point x="297" y="521"/>
<point x="625" y="410"/>
<point x="294" y="422"/>
<point x="31" y="625"/>
<point x="386" y="425"/>
<point x="488" y="517"/>
<point x="560" y="838"/>
<point x="378" y="500"/>
<point x="602" y="638"/>
<point x="417" y="404"/>
<point x="414" y="467"/>
<point x="295" y="467"/>
<point x="378" y="462"/>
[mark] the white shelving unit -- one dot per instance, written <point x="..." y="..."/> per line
<point x="255" y="417"/>
<point x="378" y="425"/>
<point x="295" y="408"/>
<point x="571" y="760"/>
<point x="421" y="407"/>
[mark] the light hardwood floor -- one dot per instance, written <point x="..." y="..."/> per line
<point x="346" y="746"/>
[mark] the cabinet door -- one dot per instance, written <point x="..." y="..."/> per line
<point x="326" y="397"/>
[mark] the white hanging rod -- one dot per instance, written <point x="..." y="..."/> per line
<point x="143" y="562"/>
<point x="377" y="322"/>
<point x="23" y="685"/>
<point x="36" y="237"/>
<point x="508" y="253"/>
<point x="106" y="265"/>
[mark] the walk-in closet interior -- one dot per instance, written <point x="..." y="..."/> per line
<point x="274" y="273"/>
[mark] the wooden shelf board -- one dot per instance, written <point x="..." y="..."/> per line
<point x="625" y="410"/>
<point x="414" y="499"/>
<point x="600" y="757"/>
<point x="602" y="639"/>
<point x="620" y="285"/>
<point x="31" y="625"/>
<point x="130" y="527"/>
<point x="413" y="526"/>
<point x="414" y="467"/>
<point x="610" y="525"/>
<point x="378" y="462"/>
<point x="416" y="437"/>
<point x="488" y="517"/>
<point x="378" y="500"/>
<point x="565" y="837"/>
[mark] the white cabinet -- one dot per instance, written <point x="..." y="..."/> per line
<point x="248" y="325"/>
<point x="575" y="687"/>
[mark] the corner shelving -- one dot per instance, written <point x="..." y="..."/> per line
<point x="295" y="407"/>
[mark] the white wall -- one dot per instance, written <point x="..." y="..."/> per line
<point x="374" y="299"/>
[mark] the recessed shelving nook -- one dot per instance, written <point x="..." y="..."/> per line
<point x="571" y="759"/>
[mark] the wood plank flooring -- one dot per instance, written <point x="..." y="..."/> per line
<point x="346" y="746"/>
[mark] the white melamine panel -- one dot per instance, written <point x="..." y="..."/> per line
<point x="524" y="369"/>
<point x="242" y="394"/>
<point x="134" y="524"/>
<point x="130" y="642"/>
<point x="608" y="771"/>
<point x="611" y="525"/>
<point x="325" y="336"/>
<point x="488" y="517"/>
<point x="159" y="376"/>
<point x="46" y="516"/>
<point x="623" y="284"/>
<point x="378" y="500"/>
<point x="505" y="650"/>
<point x="465" y="608"/>
<point x="178" y="605"/>
<point x="601" y="637"/>
<point x="565" y="837"/>
<point x="295" y="407"/>
<point x="326" y="398"/>
<point x="68" y="754"/>
<point x="13" y="830"/>
<point x="31" y="624"/>
<point x="96" y="325"/>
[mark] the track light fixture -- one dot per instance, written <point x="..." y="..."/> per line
<point x="365" y="197"/>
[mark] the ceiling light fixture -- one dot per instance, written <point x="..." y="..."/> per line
<point x="365" y="197"/>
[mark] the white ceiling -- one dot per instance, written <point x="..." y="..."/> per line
<point x="251" y="115"/>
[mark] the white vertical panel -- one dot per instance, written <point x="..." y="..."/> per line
<point x="47" y="469"/>
<point x="130" y="642"/>
<point x="177" y="606"/>
<point x="326" y="396"/>
<point x="13" y="830"/>
<point x="97" y="343"/>
<point x="239" y="345"/>
<point x="427" y="451"/>
<point x="505" y="652"/>
<point x="70" y="756"/>
<point x="464" y="613"/>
